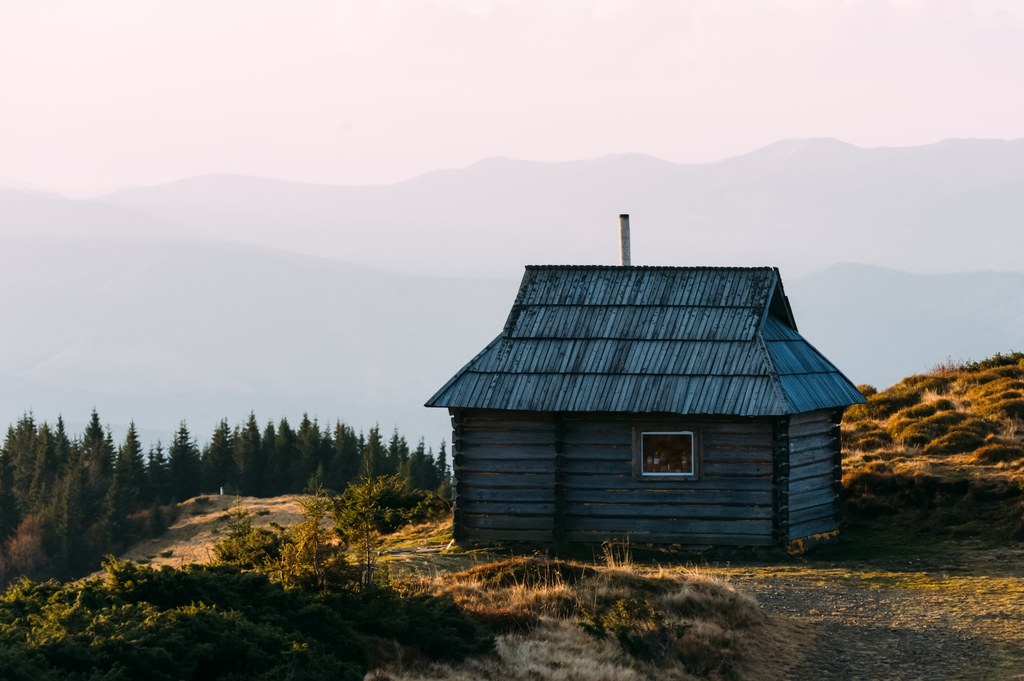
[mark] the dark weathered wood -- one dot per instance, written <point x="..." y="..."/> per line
<point x="470" y="451"/>
<point x="471" y="479"/>
<point x="508" y="466"/>
<point x="817" y="497"/>
<point x="810" y="484"/>
<point x="666" y="526"/>
<point x="823" y="441"/>
<point x="490" y="536"/>
<point x="505" y="440"/>
<point x="798" y="517"/>
<point x="510" y="522"/>
<point x="629" y="482"/>
<point x="740" y="470"/>
<point x="681" y="537"/>
<point x="642" y="498"/>
<point x="681" y="512"/>
<point x="810" y="456"/>
<point x="814" y="527"/>
<point x="506" y="508"/>
<point x="499" y="494"/>
<point x="780" y="480"/>
<point x="738" y="454"/>
<point x="811" y="470"/>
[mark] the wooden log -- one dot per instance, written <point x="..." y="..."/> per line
<point x="668" y="525"/>
<point x="810" y="471"/>
<point x="582" y="480"/>
<point x="811" y="528"/>
<point x="529" y="508"/>
<point x="518" y="466"/>
<point x="683" y="538"/>
<point x="816" y="442"/>
<point x="509" y="522"/>
<point x="663" y="496"/>
<point x="811" y="498"/>
<point x="511" y="494"/>
<point x="627" y="512"/>
<point x="472" y="479"/>
<point x="813" y="513"/>
<point x="478" y="534"/>
<point x="494" y="452"/>
<point x="811" y="456"/>
<point x="814" y="484"/>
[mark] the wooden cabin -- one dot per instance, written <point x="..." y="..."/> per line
<point x="665" y="405"/>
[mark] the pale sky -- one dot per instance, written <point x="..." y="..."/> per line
<point x="99" y="94"/>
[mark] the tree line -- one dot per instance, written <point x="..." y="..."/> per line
<point x="65" y="500"/>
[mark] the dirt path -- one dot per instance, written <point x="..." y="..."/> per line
<point x="960" y="616"/>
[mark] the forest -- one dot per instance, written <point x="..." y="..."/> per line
<point x="67" y="500"/>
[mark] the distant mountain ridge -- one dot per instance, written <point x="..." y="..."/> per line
<point x="800" y="204"/>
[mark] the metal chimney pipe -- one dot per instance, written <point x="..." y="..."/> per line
<point x="624" y="239"/>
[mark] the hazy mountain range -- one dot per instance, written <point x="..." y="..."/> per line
<point x="215" y="296"/>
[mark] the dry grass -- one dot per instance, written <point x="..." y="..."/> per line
<point x="572" y="621"/>
<point x="941" y="453"/>
<point x="200" y="525"/>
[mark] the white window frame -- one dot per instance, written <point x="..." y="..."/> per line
<point x="639" y="446"/>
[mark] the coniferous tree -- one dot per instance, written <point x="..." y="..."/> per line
<point x="374" y="455"/>
<point x="397" y="453"/>
<point x="74" y="552"/>
<point x="184" y="465"/>
<point x="267" y="440"/>
<point x="9" y="515"/>
<point x="345" y="463"/>
<point x="308" y="444"/>
<point x="158" y="478"/>
<point x="249" y="458"/>
<point x="52" y="450"/>
<point x="21" y="444"/>
<point x="124" y="494"/>
<point x="279" y="468"/>
<point x="444" y="474"/>
<point x="219" y="470"/>
<point x="420" y="470"/>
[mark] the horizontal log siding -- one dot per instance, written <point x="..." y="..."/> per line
<point x="814" y="473"/>
<point x="504" y="465"/>
<point x="730" y="503"/>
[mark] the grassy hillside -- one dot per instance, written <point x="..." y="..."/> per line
<point x="940" y="453"/>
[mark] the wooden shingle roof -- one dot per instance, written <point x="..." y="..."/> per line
<point x="683" y="340"/>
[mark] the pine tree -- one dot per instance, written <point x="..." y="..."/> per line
<point x="131" y="468"/>
<point x="249" y="458"/>
<point x="444" y="488"/>
<point x="279" y="468"/>
<point x="184" y="465"/>
<point x="308" y="445"/>
<point x="9" y="515"/>
<point x="158" y="478"/>
<point x="345" y="463"/>
<point x="373" y="454"/>
<point x="219" y="470"/>
<point x="419" y="470"/>
<point x="44" y="471"/>
<point x="74" y="552"/>
<point x="397" y="453"/>
<point x="20" y="446"/>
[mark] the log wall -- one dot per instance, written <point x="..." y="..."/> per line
<point x="814" y="473"/>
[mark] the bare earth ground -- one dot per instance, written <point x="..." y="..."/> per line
<point x="948" y="611"/>
<point x="957" y="614"/>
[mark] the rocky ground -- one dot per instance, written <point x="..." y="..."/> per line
<point x="951" y="614"/>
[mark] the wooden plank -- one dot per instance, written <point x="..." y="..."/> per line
<point x="599" y="454"/>
<point x="628" y="525"/>
<point x="736" y="469"/>
<point x="681" y="537"/>
<point x="811" y="456"/>
<point x="470" y="479"/>
<point x="508" y="522"/>
<point x="677" y="511"/>
<point x="476" y="534"/>
<point x="507" y="466"/>
<point x="810" y="484"/>
<point x="663" y="496"/>
<point x="803" y="444"/>
<point x="752" y="440"/>
<point x="810" y="470"/>
<point x="492" y="452"/>
<point x="481" y="438"/>
<point x="814" y="513"/>
<point x="800" y="424"/>
<point x="815" y="527"/>
<point x="581" y="481"/>
<point x="619" y="467"/>
<point x="756" y="454"/>
<point x="812" y="498"/>
<point x="506" y="508"/>
<point x="490" y="494"/>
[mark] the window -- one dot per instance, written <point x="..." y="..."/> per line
<point x="667" y="453"/>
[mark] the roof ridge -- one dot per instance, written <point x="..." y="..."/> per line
<point x="655" y="267"/>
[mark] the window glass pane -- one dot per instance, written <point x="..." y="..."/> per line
<point x="667" y="453"/>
